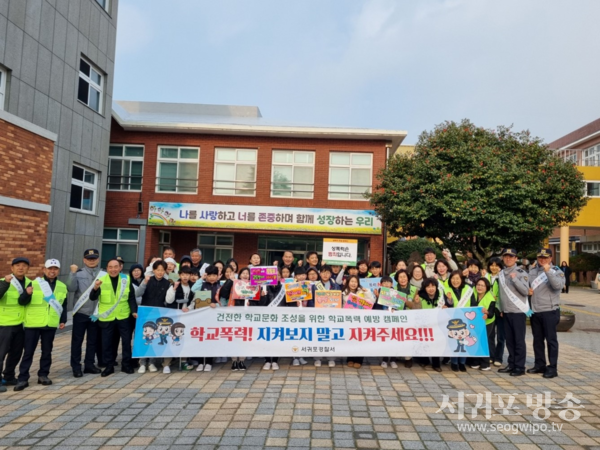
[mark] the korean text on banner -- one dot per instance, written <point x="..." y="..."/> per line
<point x="263" y="275"/>
<point x="263" y="331"/>
<point x="328" y="299"/>
<point x="340" y="251"/>
<point x="392" y="298"/>
<point x="357" y="302"/>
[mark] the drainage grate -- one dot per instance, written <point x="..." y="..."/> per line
<point x="574" y="304"/>
<point x="592" y="330"/>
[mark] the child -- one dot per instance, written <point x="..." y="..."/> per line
<point x="284" y="273"/>
<point x="337" y="274"/>
<point x="363" y="268"/>
<point x="413" y="301"/>
<point x="221" y="267"/>
<point x="228" y="279"/>
<point x="179" y="295"/>
<point x="271" y="363"/>
<point x="456" y="295"/>
<point x="312" y="260"/>
<point x="430" y="295"/>
<point x="153" y="291"/>
<point x="496" y="348"/>
<point x="299" y="276"/>
<point x="210" y="284"/>
<point x="375" y="269"/>
<point x="388" y="283"/>
<point x="233" y="263"/>
<point x="485" y="299"/>
<point x="171" y="266"/>
<point x="352" y="286"/>
<point x="473" y="271"/>
<point x="326" y="278"/>
<point x="185" y="261"/>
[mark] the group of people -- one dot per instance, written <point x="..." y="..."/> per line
<point x="106" y="302"/>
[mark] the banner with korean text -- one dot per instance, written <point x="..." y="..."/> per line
<point x="262" y="331"/>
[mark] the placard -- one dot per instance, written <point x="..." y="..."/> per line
<point x="263" y="275"/>
<point x="357" y="302"/>
<point x="298" y="291"/>
<point x="202" y="299"/>
<point x="243" y="289"/>
<point x="392" y="298"/>
<point x="338" y="252"/>
<point x="372" y="284"/>
<point x="328" y="299"/>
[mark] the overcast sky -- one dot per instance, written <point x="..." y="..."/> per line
<point x="391" y="64"/>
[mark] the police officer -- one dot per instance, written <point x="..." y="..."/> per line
<point x="43" y="315"/>
<point x="15" y="293"/>
<point x="546" y="283"/>
<point x="116" y="303"/>
<point x="513" y="290"/>
<point x="79" y="281"/>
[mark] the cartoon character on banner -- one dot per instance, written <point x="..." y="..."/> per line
<point x="177" y="332"/>
<point x="457" y="329"/>
<point x="149" y="332"/>
<point x="164" y="325"/>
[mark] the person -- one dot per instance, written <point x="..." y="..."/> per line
<point x="546" y="282"/>
<point x="417" y="275"/>
<point x="234" y="265"/>
<point x="287" y="260"/>
<point x="43" y="315"/>
<point x="514" y="288"/>
<point x="180" y="293"/>
<point x="196" y="255"/>
<point x="473" y="271"/>
<point x="566" y="270"/>
<point x="430" y="260"/>
<point x="300" y="275"/>
<point x="483" y="297"/>
<point x="442" y="272"/>
<point x="353" y="286"/>
<point x="458" y="296"/>
<point x="210" y="284"/>
<point x="221" y="267"/>
<point x="227" y="294"/>
<point x="386" y="282"/>
<point x="116" y="302"/>
<point x="136" y="273"/>
<point x="171" y="266"/>
<point x="363" y="269"/>
<point x="326" y="278"/>
<point x="153" y="291"/>
<point x="285" y="273"/>
<point x="81" y="282"/>
<point x="337" y="273"/>
<point x="312" y="260"/>
<point x="168" y="252"/>
<point x="255" y="260"/>
<point x="431" y="297"/>
<point x="375" y="269"/>
<point x="494" y="267"/>
<point x="185" y="261"/>
<point x="15" y="293"/>
<point x="400" y="265"/>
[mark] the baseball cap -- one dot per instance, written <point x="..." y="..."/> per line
<point x="52" y="263"/>
<point x="91" y="253"/>
<point x="20" y="260"/>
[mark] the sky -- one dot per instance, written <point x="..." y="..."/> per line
<point x="386" y="64"/>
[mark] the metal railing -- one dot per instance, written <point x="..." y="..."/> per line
<point x="222" y="187"/>
<point x="124" y="183"/>
<point x="165" y="184"/>
<point x="579" y="156"/>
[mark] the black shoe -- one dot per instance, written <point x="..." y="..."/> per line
<point x="408" y="363"/>
<point x="11" y="382"/>
<point x="93" y="369"/>
<point x="108" y="371"/>
<point x="536" y="370"/>
<point x="506" y="369"/>
<point x="437" y="369"/>
<point x="550" y="373"/>
<point x="21" y="385"/>
<point x="462" y="367"/>
<point x="127" y="370"/>
<point x="454" y="367"/>
<point x="445" y="361"/>
<point x="234" y="366"/>
<point x="77" y="373"/>
<point x="44" y="381"/>
<point x="517" y="373"/>
<point x="241" y="365"/>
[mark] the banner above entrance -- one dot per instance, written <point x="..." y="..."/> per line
<point x="245" y="217"/>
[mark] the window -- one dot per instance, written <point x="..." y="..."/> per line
<point x="216" y="247"/>
<point x="591" y="247"/>
<point x="84" y="186"/>
<point x="90" y="86"/>
<point x="121" y="242"/>
<point x="592" y="189"/>
<point x="349" y="175"/>
<point x="104" y="4"/>
<point x="3" y="77"/>
<point x="293" y="174"/>
<point x="177" y="170"/>
<point x="591" y="156"/>
<point x="125" y="165"/>
<point x="235" y="172"/>
<point x="164" y="240"/>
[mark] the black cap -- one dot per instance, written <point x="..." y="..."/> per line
<point x="91" y="253"/>
<point x="509" y="251"/>
<point x="118" y="258"/>
<point x="20" y="259"/>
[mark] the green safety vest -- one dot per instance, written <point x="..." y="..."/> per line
<point x="108" y="297"/>
<point x="485" y="302"/>
<point x="39" y="313"/>
<point x="495" y="290"/>
<point x="413" y="292"/>
<point x="11" y="313"/>
<point x="456" y="300"/>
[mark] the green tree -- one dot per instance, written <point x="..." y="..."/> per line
<point x="584" y="262"/>
<point x="478" y="189"/>
<point x="402" y="250"/>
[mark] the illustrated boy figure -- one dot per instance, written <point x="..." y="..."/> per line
<point x="164" y="329"/>
<point x="177" y="332"/>
<point x="149" y="332"/>
<point x="457" y="329"/>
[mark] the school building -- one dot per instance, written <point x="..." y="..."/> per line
<point x="582" y="147"/>
<point x="224" y="179"/>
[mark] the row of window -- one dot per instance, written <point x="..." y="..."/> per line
<point x="591" y="247"/>
<point x="292" y="172"/>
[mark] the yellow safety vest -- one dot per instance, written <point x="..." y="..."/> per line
<point x="39" y="313"/>
<point x="108" y="297"/>
<point x="11" y="313"/>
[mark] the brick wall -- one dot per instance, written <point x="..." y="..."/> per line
<point x="26" y="175"/>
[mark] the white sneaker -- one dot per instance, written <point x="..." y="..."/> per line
<point x="485" y="369"/>
<point x="393" y="365"/>
<point x="166" y="369"/>
<point x="267" y="366"/>
<point x="302" y="361"/>
<point x="475" y="366"/>
<point x="142" y="369"/>
<point x="317" y="363"/>
<point x="207" y="368"/>
<point x="275" y="366"/>
<point x="295" y="362"/>
<point x="200" y="368"/>
<point x="152" y="368"/>
<point x="384" y="364"/>
<point x="331" y="363"/>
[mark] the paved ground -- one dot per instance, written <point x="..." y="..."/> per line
<point x="304" y="407"/>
